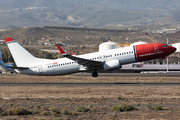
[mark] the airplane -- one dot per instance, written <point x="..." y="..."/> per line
<point x="4" y="67"/>
<point x="106" y="60"/>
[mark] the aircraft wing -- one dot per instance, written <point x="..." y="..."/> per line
<point x="81" y="61"/>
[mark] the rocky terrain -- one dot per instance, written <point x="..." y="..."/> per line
<point x="66" y="102"/>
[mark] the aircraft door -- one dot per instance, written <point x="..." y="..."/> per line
<point x="156" y="49"/>
<point x="40" y="69"/>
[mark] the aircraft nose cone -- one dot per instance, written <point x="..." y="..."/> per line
<point x="173" y="49"/>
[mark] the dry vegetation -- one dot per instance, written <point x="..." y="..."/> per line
<point x="88" y="102"/>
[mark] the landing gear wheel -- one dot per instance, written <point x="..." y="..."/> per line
<point x="95" y="74"/>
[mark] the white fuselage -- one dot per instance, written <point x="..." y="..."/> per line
<point x="64" y="66"/>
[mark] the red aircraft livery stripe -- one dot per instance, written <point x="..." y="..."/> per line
<point x="148" y="51"/>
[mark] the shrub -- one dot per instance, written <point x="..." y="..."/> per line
<point x="57" y="119"/>
<point x="138" y="104"/>
<point x="27" y="98"/>
<point x="45" y="113"/>
<point x="54" y="113"/>
<point x="122" y="107"/>
<point x="35" y="112"/>
<point x="53" y="109"/>
<point x="41" y="119"/>
<point x="157" y="107"/>
<point x="119" y="97"/>
<point x="38" y="106"/>
<point x="90" y="106"/>
<point x="65" y="112"/>
<point x="17" y="110"/>
<point x="148" y="106"/>
<point x="81" y="109"/>
<point x="1" y="110"/>
<point x="11" y="104"/>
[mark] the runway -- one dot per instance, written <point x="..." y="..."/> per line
<point x="169" y="74"/>
<point x="89" y="84"/>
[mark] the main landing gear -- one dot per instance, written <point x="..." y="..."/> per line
<point x="94" y="74"/>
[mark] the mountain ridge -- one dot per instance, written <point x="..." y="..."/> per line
<point x="37" y="13"/>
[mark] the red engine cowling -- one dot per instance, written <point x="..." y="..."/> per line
<point x="110" y="65"/>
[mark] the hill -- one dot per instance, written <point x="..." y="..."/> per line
<point x="174" y="17"/>
<point x="37" y="13"/>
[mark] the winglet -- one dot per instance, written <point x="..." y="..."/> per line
<point x="9" y="39"/>
<point x="61" y="50"/>
<point x="72" y="53"/>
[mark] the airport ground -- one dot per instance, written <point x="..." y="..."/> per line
<point x="97" y="98"/>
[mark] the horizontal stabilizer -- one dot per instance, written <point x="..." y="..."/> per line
<point x="14" y="67"/>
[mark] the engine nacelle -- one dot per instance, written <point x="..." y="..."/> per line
<point x="110" y="65"/>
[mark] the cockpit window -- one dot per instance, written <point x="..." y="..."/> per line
<point x="165" y="45"/>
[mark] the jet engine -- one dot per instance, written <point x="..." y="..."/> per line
<point x="110" y="65"/>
